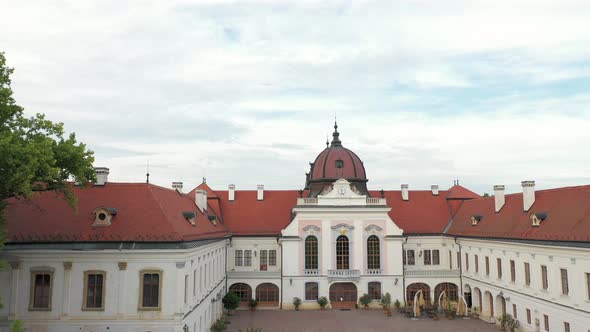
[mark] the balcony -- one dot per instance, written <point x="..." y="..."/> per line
<point x="374" y="271"/>
<point x="344" y="274"/>
<point x="311" y="272"/>
<point x="432" y="273"/>
<point x="368" y="201"/>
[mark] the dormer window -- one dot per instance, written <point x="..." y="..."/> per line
<point x="213" y="219"/>
<point x="104" y="216"/>
<point x="475" y="219"/>
<point x="339" y="163"/>
<point x="190" y="217"/>
<point x="537" y="218"/>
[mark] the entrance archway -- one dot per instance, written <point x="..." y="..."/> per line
<point x="267" y="295"/>
<point x="467" y="295"/>
<point x="412" y="289"/>
<point x="488" y="305"/>
<point x="500" y="305"/>
<point x="450" y="290"/>
<point x="477" y="299"/>
<point x="343" y="295"/>
<point x="244" y="292"/>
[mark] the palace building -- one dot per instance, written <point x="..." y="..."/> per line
<point x="139" y="257"/>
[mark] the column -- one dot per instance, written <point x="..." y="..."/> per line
<point x="65" y="305"/>
<point x="14" y="290"/>
<point x="121" y="294"/>
<point x="179" y="309"/>
<point x="358" y="245"/>
<point x="327" y="248"/>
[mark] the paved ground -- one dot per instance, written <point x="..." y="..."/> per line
<point x="345" y="321"/>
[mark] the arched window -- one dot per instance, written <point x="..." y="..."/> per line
<point x="414" y="288"/>
<point x="342" y="253"/>
<point x="243" y="291"/>
<point x="449" y="289"/>
<point x="373" y="253"/>
<point x="311" y="252"/>
<point x="267" y="294"/>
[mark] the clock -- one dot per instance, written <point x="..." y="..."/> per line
<point x="341" y="191"/>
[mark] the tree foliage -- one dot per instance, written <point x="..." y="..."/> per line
<point x="35" y="153"/>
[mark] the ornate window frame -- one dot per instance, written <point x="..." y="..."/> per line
<point x="140" y="306"/>
<point x="370" y="231"/>
<point x="85" y="290"/>
<point x="34" y="272"/>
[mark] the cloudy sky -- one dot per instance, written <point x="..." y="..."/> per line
<point x="425" y="92"/>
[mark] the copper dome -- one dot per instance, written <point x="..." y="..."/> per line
<point x="333" y="163"/>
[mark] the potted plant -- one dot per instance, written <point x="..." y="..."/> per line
<point x="231" y="301"/>
<point x="512" y="324"/>
<point x="296" y="303"/>
<point x="434" y="316"/>
<point x="253" y="304"/>
<point x="219" y="325"/>
<point x="322" y="301"/>
<point x="386" y="303"/>
<point x="449" y="312"/>
<point x="474" y="312"/>
<point x="365" y="300"/>
<point x="397" y="304"/>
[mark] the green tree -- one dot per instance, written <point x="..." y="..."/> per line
<point x="35" y="153"/>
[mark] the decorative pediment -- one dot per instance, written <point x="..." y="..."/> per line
<point x="373" y="228"/>
<point x="342" y="193"/>
<point x="311" y="227"/>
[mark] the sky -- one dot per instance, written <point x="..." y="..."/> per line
<point x="245" y="92"/>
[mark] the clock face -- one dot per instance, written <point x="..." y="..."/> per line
<point x="341" y="191"/>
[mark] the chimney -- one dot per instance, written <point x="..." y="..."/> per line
<point x="231" y="192"/>
<point x="260" y="192"/>
<point x="201" y="199"/>
<point x="434" y="189"/>
<point x="499" y="197"/>
<point x="405" y="192"/>
<point x="102" y="175"/>
<point x="177" y="186"/>
<point x="528" y="194"/>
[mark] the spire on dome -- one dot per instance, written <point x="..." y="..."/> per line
<point x="335" y="136"/>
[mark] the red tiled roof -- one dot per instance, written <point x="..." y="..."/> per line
<point x="248" y="216"/>
<point x="567" y="209"/>
<point x="423" y="213"/>
<point x="460" y="192"/>
<point x="145" y="213"/>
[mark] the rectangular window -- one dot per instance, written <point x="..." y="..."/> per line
<point x="272" y="257"/>
<point x="375" y="290"/>
<point x="450" y="260"/>
<point x="466" y="262"/>
<point x="427" y="257"/>
<point x="487" y="266"/>
<point x="499" y="264"/>
<point x="239" y="261"/>
<point x="528" y="316"/>
<point x="527" y="274"/>
<point x="195" y="282"/>
<point x="459" y="260"/>
<point x="435" y="257"/>
<point x="41" y="291"/>
<point x="311" y="291"/>
<point x="564" y="282"/>
<point x="544" y="277"/>
<point x="94" y="290"/>
<point x="150" y="290"/>
<point x="263" y="260"/>
<point x="404" y="261"/>
<point x="546" y="320"/>
<point x="411" y="257"/>
<point x="512" y="271"/>
<point x="514" y="312"/>
<point x="566" y="327"/>
<point x="476" y="264"/>
<point x="588" y="285"/>
<point x="247" y="257"/>
<point x="185" y="288"/>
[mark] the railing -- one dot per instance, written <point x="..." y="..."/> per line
<point x="311" y="272"/>
<point x="374" y="271"/>
<point x="376" y="201"/>
<point x="344" y="274"/>
<point x="369" y="201"/>
<point x="432" y="273"/>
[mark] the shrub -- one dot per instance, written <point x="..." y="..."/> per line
<point x="17" y="326"/>
<point x="231" y="301"/>
<point x="365" y="300"/>
<point x="219" y="325"/>
<point x="252" y="329"/>
<point x="322" y="301"/>
<point x="397" y="304"/>
<point x="253" y="304"/>
<point x="386" y="301"/>
<point x="296" y="302"/>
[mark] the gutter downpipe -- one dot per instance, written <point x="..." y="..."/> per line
<point x="460" y="262"/>
<point x="281" y="247"/>
<point x="404" y="273"/>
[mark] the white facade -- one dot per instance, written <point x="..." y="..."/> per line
<point x="192" y="283"/>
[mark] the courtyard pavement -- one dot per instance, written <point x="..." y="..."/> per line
<point x="345" y="321"/>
